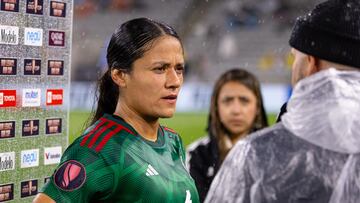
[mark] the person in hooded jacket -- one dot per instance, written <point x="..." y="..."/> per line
<point x="312" y="155"/>
<point x="236" y="110"/>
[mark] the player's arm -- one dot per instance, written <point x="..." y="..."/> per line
<point x="77" y="177"/>
<point x="43" y="198"/>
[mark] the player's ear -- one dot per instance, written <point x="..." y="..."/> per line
<point x="119" y="77"/>
<point x="314" y="64"/>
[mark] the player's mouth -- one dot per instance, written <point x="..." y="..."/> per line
<point x="171" y="99"/>
<point x="236" y="122"/>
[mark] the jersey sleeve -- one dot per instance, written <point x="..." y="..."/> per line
<point x="81" y="176"/>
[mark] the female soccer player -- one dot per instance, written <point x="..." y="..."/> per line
<point x="125" y="155"/>
<point x="236" y="110"/>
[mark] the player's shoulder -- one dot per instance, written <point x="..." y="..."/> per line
<point x="169" y="132"/>
<point x="103" y="133"/>
<point x="263" y="141"/>
<point x="199" y="144"/>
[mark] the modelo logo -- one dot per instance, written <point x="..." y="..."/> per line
<point x="56" y="38"/>
<point x="7" y="98"/>
<point x="29" y="158"/>
<point x="52" y="155"/>
<point x="54" y="97"/>
<point x="9" y="35"/>
<point x="7" y="161"/>
<point x="31" y="97"/>
<point x="33" y="36"/>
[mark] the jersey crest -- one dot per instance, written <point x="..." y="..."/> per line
<point x="70" y="176"/>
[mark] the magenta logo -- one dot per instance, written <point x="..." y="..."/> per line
<point x="70" y="176"/>
<point x="56" y="38"/>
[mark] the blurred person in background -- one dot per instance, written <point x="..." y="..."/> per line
<point x="236" y="110"/>
<point x="125" y="155"/>
<point x="313" y="154"/>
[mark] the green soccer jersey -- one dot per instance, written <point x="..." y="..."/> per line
<point x="111" y="162"/>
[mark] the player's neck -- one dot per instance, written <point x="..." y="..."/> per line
<point x="147" y="127"/>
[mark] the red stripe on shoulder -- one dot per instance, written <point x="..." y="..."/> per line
<point x="120" y="126"/>
<point x="107" y="137"/>
<point x="170" y="130"/>
<point x="86" y="137"/>
<point x="98" y="133"/>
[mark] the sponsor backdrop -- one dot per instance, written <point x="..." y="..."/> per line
<point x="35" y="50"/>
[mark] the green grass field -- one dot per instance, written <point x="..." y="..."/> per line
<point x="190" y="126"/>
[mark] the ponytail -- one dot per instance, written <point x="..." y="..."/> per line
<point x="107" y="96"/>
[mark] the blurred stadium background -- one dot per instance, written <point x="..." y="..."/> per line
<point x="217" y="35"/>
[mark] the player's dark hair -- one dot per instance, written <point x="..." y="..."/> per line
<point x="128" y="43"/>
<point x="215" y="128"/>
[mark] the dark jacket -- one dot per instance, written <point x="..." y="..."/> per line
<point x="203" y="163"/>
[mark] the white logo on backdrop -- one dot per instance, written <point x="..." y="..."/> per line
<point x="52" y="155"/>
<point x="7" y="161"/>
<point x="33" y="36"/>
<point x="31" y="97"/>
<point x="29" y="158"/>
<point x="9" y="35"/>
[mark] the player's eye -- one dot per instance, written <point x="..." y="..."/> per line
<point x="227" y="100"/>
<point x="159" y="69"/>
<point x="180" y="69"/>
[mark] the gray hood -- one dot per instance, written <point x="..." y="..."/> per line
<point x="324" y="110"/>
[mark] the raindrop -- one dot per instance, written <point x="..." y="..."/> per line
<point x="347" y="17"/>
<point x="312" y="43"/>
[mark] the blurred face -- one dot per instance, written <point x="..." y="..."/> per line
<point x="299" y="66"/>
<point x="237" y="106"/>
<point x="153" y="85"/>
